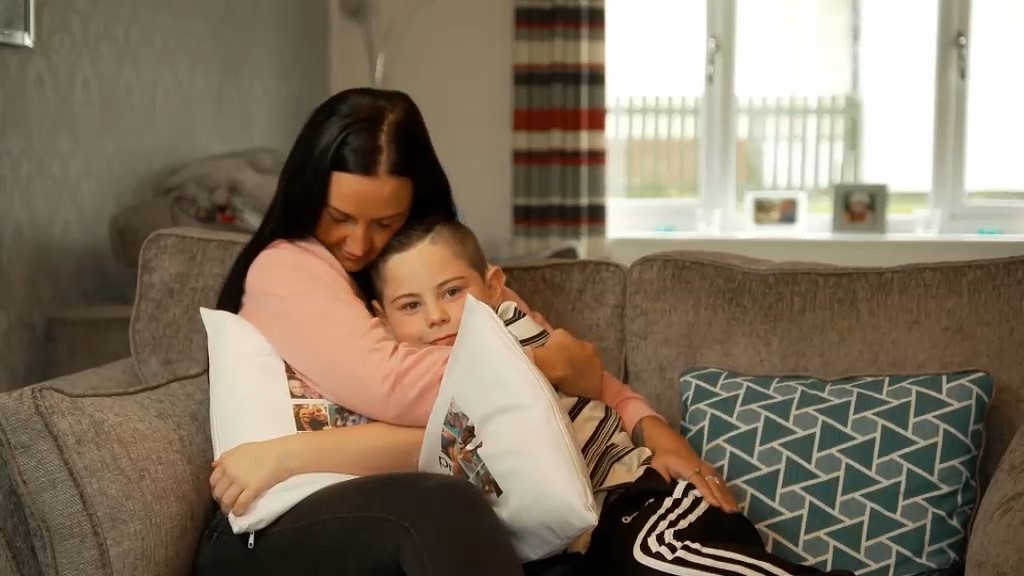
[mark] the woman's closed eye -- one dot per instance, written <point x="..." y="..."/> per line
<point x="337" y="216"/>
<point x="386" y="224"/>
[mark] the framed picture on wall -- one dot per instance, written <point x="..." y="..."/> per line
<point x="860" y="208"/>
<point x="17" y="22"/>
<point x="776" y="211"/>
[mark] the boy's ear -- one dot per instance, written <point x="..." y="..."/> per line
<point x="379" y="311"/>
<point x="495" y="281"/>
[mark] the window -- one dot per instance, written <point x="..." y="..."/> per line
<point x="656" y="89"/>
<point x="709" y="100"/>
<point x="992" y="171"/>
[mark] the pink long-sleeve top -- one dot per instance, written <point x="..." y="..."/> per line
<point x="301" y="299"/>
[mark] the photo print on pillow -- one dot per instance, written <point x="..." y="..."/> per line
<point x="311" y="412"/>
<point x="460" y="452"/>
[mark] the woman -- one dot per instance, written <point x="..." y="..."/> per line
<point x="362" y="167"/>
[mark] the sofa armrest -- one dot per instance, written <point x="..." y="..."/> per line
<point x="117" y="376"/>
<point x="110" y="475"/>
<point x="995" y="547"/>
<point x="16" y="537"/>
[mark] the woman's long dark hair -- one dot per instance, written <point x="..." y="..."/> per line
<point x="354" y="131"/>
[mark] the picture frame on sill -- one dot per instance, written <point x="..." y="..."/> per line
<point x="776" y="211"/>
<point x="860" y="208"/>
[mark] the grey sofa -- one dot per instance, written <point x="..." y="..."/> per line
<point x="105" y="471"/>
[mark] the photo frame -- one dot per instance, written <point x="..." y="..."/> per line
<point x="776" y="210"/>
<point x="18" y="23"/>
<point x="860" y="208"/>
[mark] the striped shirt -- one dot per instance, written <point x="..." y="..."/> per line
<point x="608" y="451"/>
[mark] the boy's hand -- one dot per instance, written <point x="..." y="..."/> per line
<point x="572" y="365"/>
<point x="707" y="480"/>
<point x="540" y="320"/>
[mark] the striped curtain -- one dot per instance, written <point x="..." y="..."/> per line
<point x="558" y="151"/>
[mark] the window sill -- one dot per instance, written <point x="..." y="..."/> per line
<point x="861" y="249"/>
<point x="796" y="236"/>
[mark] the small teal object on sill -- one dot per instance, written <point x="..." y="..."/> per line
<point x="990" y="230"/>
<point x="665" y="228"/>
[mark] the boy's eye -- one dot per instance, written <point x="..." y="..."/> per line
<point x="409" y="306"/>
<point x="452" y="292"/>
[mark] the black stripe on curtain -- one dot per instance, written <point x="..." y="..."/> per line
<point x="559" y="15"/>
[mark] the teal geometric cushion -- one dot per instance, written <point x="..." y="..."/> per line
<point x="877" y="475"/>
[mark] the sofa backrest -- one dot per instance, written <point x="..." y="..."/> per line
<point x="181" y="269"/>
<point x="756" y="317"/>
<point x="586" y="297"/>
<point x="685" y="310"/>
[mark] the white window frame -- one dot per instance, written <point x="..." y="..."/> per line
<point x="950" y="160"/>
<point x="717" y="167"/>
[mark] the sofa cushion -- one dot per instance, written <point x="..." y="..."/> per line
<point x="251" y="400"/>
<point x="85" y="462"/>
<point x="585" y="297"/>
<point x="873" y="474"/>
<point x="700" y="309"/>
<point x="497" y="423"/>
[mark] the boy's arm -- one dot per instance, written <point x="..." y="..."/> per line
<point x="628" y="404"/>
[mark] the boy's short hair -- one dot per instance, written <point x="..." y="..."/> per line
<point x="456" y="235"/>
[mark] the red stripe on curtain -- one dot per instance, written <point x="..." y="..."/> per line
<point x="568" y="119"/>
<point x="559" y="119"/>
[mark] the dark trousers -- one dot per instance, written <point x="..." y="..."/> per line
<point x="656" y="528"/>
<point x="389" y="525"/>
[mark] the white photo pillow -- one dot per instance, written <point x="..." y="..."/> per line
<point x="251" y="400"/>
<point x="497" y="422"/>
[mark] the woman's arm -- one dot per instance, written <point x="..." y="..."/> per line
<point x="627" y="403"/>
<point x="300" y="299"/>
<point x="364" y="450"/>
<point x="307" y="307"/>
<point x="245" y="472"/>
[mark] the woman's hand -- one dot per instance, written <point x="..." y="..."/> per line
<point x="572" y="365"/>
<point x="244" y="473"/>
<point x="675" y="459"/>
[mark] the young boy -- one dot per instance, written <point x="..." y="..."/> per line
<point x="420" y="282"/>
<point x="649" y="525"/>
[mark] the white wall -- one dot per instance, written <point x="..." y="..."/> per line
<point x="455" y="60"/>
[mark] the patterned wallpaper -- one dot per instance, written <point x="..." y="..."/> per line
<point x="114" y="91"/>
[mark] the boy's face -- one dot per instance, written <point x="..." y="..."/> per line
<point x="424" y="291"/>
